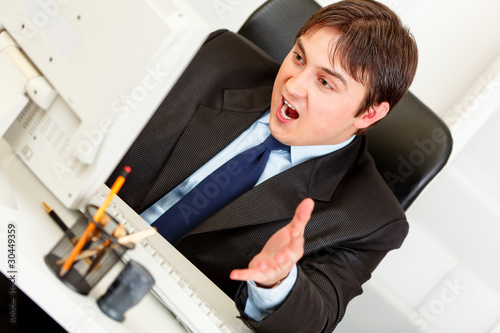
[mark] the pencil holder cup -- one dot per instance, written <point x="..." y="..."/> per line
<point x="100" y="252"/>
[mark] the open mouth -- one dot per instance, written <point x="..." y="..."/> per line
<point x="288" y="111"/>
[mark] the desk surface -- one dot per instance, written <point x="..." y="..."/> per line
<point x="21" y="199"/>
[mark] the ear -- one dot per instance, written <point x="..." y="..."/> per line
<point x="372" y="115"/>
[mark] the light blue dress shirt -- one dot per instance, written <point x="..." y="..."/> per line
<point x="261" y="302"/>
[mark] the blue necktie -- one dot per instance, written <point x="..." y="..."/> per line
<point x="229" y="181"/>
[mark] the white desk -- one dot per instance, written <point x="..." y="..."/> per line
<point x="188" y="293"/>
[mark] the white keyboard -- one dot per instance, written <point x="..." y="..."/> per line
<point x="197" y="303"/>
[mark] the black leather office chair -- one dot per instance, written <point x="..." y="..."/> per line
<point x="409" y="146"/>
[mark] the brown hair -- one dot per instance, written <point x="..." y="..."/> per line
<point x="373" y="47"/>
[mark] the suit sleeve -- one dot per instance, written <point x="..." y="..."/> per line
<point x="327" y="280"/>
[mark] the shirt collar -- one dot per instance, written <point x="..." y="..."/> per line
<point x="299" y="154"/>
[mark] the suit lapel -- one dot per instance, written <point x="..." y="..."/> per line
<point x="274" y="199"/>
<point x="277" y="198"/>
<point x="209" y="131"/>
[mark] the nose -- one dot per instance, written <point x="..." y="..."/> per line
<point x="296" y="85"/>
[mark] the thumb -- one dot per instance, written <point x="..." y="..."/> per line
<point x="303" y="212"/>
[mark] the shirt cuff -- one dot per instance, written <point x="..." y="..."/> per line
<point x="262" y="302"/>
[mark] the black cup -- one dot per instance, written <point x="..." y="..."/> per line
<point x="127" y="290"/>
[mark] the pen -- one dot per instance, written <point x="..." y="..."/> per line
<point x="62" y="225"/>
<point x="97" y="217"/>
<point x="59" y="222"/>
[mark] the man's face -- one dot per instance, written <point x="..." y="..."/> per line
<point x="314" y="103"/>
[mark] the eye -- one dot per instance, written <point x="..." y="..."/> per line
<point x="297" y="57"/>
<point x="324" y="83"/>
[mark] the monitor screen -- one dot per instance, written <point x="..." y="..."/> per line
<point x="94" y="73"/>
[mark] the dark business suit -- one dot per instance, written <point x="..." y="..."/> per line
<point x="356" y="219"/>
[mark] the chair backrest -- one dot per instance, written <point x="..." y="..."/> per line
<point x="409" y="146"/>
<point x="273" y="25"/>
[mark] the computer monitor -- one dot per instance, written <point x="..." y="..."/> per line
<point x="86" y="76"/>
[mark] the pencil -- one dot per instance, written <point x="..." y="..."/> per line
<point x="97" y="217"/>
<point x="58" y="220"/>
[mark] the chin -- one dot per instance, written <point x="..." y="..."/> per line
<point x="279" y="134"/>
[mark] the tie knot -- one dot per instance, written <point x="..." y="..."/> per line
<point x="272" y="144"/>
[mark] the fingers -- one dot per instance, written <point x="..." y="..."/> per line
<point x="296" y="248"/>
<point x="302" y="215"/>
<point x="267" y="271"/>
<point x="264" y="274"/>
<point x="281" y="252"/>
<point x="298" y="225"/>
<point x="243" y="274"/>
<point x="262" y="270"/>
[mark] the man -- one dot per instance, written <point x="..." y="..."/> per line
<point x="351" y="63"/>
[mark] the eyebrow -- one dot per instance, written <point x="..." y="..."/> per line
<point x="329" y="71"/>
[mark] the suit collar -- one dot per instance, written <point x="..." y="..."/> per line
<point x="299" y="154"/>
<point x="330" y="170"/>
<point x="247" y="100"/>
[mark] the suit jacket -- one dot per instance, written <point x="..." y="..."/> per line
<point x="356" y="219"/>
